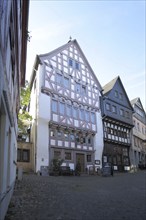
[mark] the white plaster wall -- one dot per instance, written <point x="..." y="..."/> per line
<point x="42" y="120"/>
<point x="42" y="145"/>
<point x="98" y="141"/>
<point x="44" y="107"/>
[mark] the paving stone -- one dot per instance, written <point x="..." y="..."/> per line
<point x="121" y="197"/>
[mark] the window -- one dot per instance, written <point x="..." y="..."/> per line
<point x="81" y="114"/>
<point x="88" y="158"/>
<point x="75" y="112"/>
<point x="83" y="88"/>
<point x="67" y="155"/>
<point x="23" y="155"/>
<point x="18" y="155"/>
<point x="59" y="78"/>
<point x="59" y="134"/>
<point x="66" y="136"/>
<point x="116" y="93"/>
<point x="78" y="87"/>
<point x="72" y="137"/>
<point x="121" y="96"/>
<point x="66" y="82"/>
<point x="54" y="106"/>
<point x="108" y="106"/>
<point x="93" y="117"/>
<point x="70" y="62"/>
<point x="82" y="140"/>
<point x="57" y="154"/>
<point x="76" y="65"/>
<point x="87" y="116"/>
<point x="114" y="109"/>
<point x="77" y="138"/>
<point x="62" y="108"/>
<point x="122" y="112"/>
<point x="68" y="110"/>
<point x="52" y="133"/>
<point x="127" y="114"/>
<point x="89" y="140"/>
<point x="138" y="127"/>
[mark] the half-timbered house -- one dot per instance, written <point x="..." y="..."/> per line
<point x="117" y="125"/>
<point x="138" y="151"/>
<point x="65" y="107"/>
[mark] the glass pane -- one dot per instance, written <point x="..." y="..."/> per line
<point x="77" y="66"/>
<point x="83" y="90"/>
<point x="26" y="155"/>
<point x="68" y="110"/>
<point x="67" y="156"/>
<point x="72" y="137"/>
<point x="70" y="62"/>
<point x="19" y="155"/>
<point x="59" y="78"/>
<point x="52" y="133"/>
<point x="78" y="87"/>
<point x="88" y="158"/>
<point x="75" y="112"/>
<point x="87" y="116"/>
<point x="66" y="136"/>
<point x="81" y="114"/>
<point x="54" y="106"/>
<point x="93" y="117"/>
<point x="62" y="108"/>
<point x="66" y="82"/>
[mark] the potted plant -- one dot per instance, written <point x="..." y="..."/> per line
<point x="56" y="164"/>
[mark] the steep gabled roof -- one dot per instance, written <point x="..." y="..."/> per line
<point x="109" y="86"/>
<point x="41" y="57"/>
<point x="136" y="101"/>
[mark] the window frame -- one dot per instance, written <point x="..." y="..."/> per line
<point x="53" y="106"/>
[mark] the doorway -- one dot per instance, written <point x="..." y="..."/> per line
<point x="80" y="159"/>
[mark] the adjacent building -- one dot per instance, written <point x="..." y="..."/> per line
<point x="65" y="106"/>
<point x="13" y="44"/>
<point x="117" y="114"/>
<point x="138" y="151"/>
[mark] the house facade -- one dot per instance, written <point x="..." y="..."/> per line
<point x="65" y="107"/>
<point x="117" y="125"/>
<point x="138" y="150"/>
<point x="13" y="41"/>
<point x="25" y="156"/>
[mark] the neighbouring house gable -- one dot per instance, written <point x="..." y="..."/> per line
<point x="68" y="73"/>
<point x="139" y="110"/>
<point x="116" y="103"/>
<point x="115" y="91"/>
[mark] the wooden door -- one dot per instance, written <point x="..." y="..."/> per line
<point x="80" y="159"/>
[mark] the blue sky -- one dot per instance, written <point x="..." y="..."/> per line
<point x="110" y="33"/>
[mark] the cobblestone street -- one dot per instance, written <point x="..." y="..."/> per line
<point x="122" y="197"/>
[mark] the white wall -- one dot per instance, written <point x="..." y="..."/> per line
<point x="42" y="114"/>
<point x="98" y="141"/>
